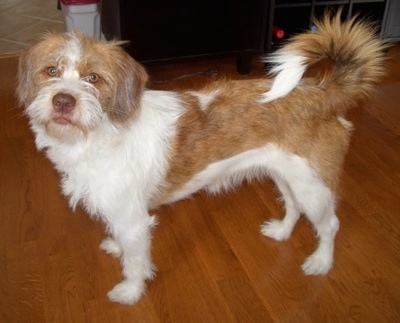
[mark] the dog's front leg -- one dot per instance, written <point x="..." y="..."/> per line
<point x="132" y="240"/>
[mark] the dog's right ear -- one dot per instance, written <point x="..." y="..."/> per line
<point x="30" y="62"/>
<point x="24" y="90"/>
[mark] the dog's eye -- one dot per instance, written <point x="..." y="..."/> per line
<point x="92" y="78"/>
<point x="52" y="71"/>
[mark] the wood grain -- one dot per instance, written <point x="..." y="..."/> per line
<point x="213" y="263"/>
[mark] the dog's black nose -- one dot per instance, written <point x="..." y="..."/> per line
<point x="63" y="102"/>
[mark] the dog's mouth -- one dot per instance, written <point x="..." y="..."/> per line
<point x="62" y="120"/>
<point x="64" y="128"/>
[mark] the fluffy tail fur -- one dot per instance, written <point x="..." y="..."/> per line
<point x="353" y="47"/>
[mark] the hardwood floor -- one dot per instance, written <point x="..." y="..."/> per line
<point x="213" y="263"/>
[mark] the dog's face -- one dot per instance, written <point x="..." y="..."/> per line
<point x="69" y="82"/>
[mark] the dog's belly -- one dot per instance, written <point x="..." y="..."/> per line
<point x="268" y="161"/>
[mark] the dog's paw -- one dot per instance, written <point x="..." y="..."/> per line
<point x="276" y="229"/>
<point x="319" y="263"/>
<point x="111" y="247"/>
<point x="127" y="292"/>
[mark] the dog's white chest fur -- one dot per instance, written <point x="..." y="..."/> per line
<point x="115" y="165"/>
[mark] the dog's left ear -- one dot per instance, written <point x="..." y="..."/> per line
<point x="129" y="83"/>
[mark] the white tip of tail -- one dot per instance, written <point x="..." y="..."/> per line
<point x="289" y="69"/>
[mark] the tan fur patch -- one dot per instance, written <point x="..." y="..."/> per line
<point x="235" y="122"/>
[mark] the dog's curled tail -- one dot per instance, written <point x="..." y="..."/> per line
<point x="356" y="52"/>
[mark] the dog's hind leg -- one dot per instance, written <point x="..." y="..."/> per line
<point x="305" y="192"/>
<point x="322" y="215"/>
<point x="317" y="202"/>
<point x="281" y="229"/>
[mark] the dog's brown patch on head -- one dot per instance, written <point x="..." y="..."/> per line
<point x="121" y="79"/>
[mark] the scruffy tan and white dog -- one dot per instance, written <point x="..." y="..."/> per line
<point x="122" y="149"/>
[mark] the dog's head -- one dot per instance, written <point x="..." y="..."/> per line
<point x="68" y="83"/>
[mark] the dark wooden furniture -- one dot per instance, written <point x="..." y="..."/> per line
<point x="160" y="30"/>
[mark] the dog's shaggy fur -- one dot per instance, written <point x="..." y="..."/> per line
<point x="122" y="149"/>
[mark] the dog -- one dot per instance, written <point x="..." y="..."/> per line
<point x="122" y="149"/>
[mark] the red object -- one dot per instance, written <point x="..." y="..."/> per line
<point x="78" y="2"/>
<point x="277" y="32"/>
